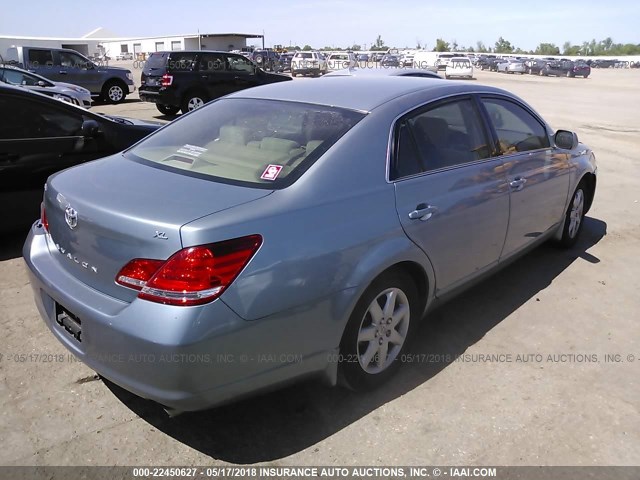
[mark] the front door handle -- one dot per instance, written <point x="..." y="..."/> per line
<point x="63" y="72"/>
<point x="518" y="183"/>
<point x="423" y="212"/>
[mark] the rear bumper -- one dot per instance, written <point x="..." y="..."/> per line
<point x="186" y="358"/>
<point x="162" y="96"/>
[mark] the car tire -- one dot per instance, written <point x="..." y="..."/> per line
<point x="541" y="73"/>
<point x="369" y="335"/>
<point x="167" y="109"/>
<point x="259" y="60"/>
<point x="114" y="92"/>
<point x="192" y="100"/>
<point x="574" y="217"/>
<point x="586" y="76"/>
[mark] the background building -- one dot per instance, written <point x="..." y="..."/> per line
<point x="102" y="42"/>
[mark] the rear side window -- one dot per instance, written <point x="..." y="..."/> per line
<point x="444" y="136"/>
<point x="252" y="142"/>
<point x="181" y="61"/>
<point x="40" y="58"/>
<point x="517" y="129"/>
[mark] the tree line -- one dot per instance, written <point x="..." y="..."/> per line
<point x="591" y="49"/>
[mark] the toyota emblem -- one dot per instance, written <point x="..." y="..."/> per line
<point x="71" y="217"/>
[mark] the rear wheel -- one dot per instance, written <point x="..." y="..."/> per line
<point x="574" y="217"/>
<point x="193" y="100"/>
<point x="378" y="331"/>
<point x="167" y="109"/>
<point x="541" y="73"/>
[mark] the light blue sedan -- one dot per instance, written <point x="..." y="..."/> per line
<point x="295" y="230"/>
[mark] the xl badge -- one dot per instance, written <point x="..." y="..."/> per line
<point x="71" y="217"/>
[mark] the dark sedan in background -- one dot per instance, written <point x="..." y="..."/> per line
<point x="566" y="68"/>
<point x="44" y="135"/>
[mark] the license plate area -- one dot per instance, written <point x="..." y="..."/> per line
<point x="67" y="320"/>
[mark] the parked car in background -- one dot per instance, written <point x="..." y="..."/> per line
<point x="340" y="60"/>
<point x="579" y="69"/>
<point x="124" y="56"/>
<point x="58" y="90"/>
<point x="186" y="80"/>
<point x="489" y="63"/>
<point x="459" y="67"/>
<point x="599" y="63"/>
<point x="390" y="61"/>
<point x="407" y="60"/>
<point x="566" y="68"/>
<point x="285" y="61"/>
<point x="44" y="135"/>
<point x="511" y="66"/>
<point x="268" y="60"/>
<point x="308" y="63"/>
<point x="443" y="60"/>
<point x="313" y="224"/>
<point x="363" y="57"/>
<point x="110" y="84"/>
<point x="534" y="66"/>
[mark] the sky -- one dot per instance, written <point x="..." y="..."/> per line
<point x="321" y="23"/>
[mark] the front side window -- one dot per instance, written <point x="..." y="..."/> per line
<point x="264" y="143"/>
<point x="238" y="63"/>
<point x="31" y="119"/>
<point x="517" y="129"/>
<point x="444" y="136"/>
<point x="212" y="62"/>
<point x="73" y="60"/>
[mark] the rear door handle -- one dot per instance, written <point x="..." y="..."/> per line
<point x="518" y="183"/>
<point x="423" y="212"/>
<point x="63" y="72"/>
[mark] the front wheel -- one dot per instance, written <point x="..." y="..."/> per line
<point x="378" y="331"/>
<point x="167" y="109"/>
<point x="574" y="218"/>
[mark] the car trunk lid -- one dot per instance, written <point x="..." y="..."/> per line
<point x="105" y="213"/>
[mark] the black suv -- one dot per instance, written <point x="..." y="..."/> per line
<point x="186" y="80"/>
<point x="267" y="60"/>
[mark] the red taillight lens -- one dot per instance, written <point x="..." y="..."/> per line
<point x="137" y="272"/>
<point x="43" y="217"/>
<point x="167" y="80"/>
<point x="192" y="276"/>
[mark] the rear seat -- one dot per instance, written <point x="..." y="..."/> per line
<point x="234" y="149"/>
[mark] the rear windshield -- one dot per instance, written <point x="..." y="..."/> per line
<point x="264" y="143"/>
<point x="305" y="55"/>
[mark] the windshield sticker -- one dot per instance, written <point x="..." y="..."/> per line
<point x="271" y="172"/>
<point x="191" y="150"/>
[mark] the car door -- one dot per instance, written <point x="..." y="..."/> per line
<point x="538" y="174"/>
<point x="40" y="138"/>
<point x="214" y="74"/>
<point x="452" y="196"/>
<point x="40" y="61"/>
<point x="78" y="70"/>
<point x="244" y="72"/>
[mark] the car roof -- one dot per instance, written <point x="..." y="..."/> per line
<point x="381" y="72"/>
<point x="359" y="93"/>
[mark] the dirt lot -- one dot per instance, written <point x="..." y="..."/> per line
<point x="571" y="408"/>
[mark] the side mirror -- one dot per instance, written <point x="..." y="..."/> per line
<point x="565" y="139"/>
<point x="90" y="128"/>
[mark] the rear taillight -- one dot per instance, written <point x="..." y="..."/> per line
<point x="192" y="276"/>
<point x="43" y="218"/>
<point x="167" y="80"/>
